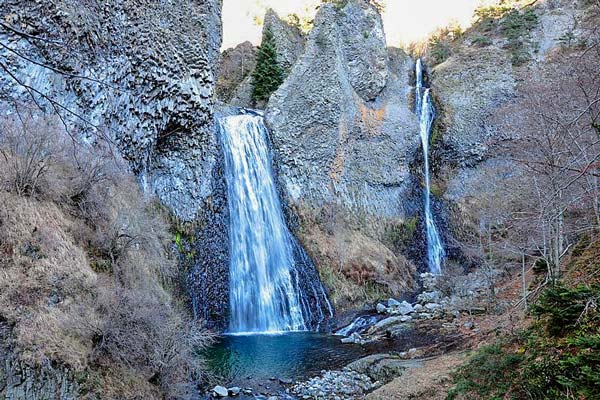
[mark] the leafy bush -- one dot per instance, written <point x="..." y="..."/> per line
<point x="268" y="74"/>
<point x="440" y="43"/>
<point x="563" y="309"/>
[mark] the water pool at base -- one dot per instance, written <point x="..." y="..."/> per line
<point x="293" y="356"/>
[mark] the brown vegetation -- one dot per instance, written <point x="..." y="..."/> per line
<point x="85" y="272"/>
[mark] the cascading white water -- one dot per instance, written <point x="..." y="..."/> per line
<point x="426" y="113"/>
<point x="264" y="294"/>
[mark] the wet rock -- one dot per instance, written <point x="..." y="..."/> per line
<point x="393" y="303"/>
<point x="220" y="391"/>
<point x="418" y="308"/>
<point x="381" y="309"/>
<point x="354" y="338"/>
<point x="403" y="308"/>
<point x="285" y="381"/>
<point x="234" y="391"/>
<point x="429" y="297"/>
<point x="389" y="322"/>
<point x="432" y="306"/>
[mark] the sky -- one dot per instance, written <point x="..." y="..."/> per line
<point x="404" y="20"/>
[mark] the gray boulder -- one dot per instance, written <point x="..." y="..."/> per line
<point x="220" y="391"/>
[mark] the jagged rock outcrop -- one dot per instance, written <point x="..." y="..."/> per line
<point x="331" y="145"/>
<point x="343" y="135"/>
<point x="141" y="73"/>
<point x="473" y="85"/>
<point x="236" y="64"/>
<point x="470" y="86"/>
<point x="289" y="41"/>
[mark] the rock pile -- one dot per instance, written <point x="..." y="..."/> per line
<point x="335" y="385"/>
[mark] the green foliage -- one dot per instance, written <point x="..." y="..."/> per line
<point x="304" y="23"/>
<point x="268" y="74"/>
<point x="339" y="4"/>
<point x="482" y="41"/>
<point x="495" y="11"/>
<point x="516" y="26"/>
<point x="557" y="358"/>
<point x="400" y="234"/>
<point x="563" y="308"/>
<point x="440" y="43"/>
<point x="489" y="373"/>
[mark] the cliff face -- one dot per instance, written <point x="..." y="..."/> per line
<point x="492" y="66"/>
<point x="141" y="73"/>
<point x="344" y="135"/>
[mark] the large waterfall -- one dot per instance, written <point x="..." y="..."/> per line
<point x="265" y="287"/>
<point x="426" y="113"/>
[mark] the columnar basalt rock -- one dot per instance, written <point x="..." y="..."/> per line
<point x="141" y="73"/>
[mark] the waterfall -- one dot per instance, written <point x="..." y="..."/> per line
<point x="426" y="113"/>
<point x="265" y="291"/>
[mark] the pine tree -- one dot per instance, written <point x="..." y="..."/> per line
<point x="268" y="74"/>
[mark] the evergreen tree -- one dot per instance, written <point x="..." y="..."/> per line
<point x="268" y="74"/>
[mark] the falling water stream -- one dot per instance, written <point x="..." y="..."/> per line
<point x="263" y="285"/>
<point x="426" y="113"/>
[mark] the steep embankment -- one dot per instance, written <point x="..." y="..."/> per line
<point x="88" y="286"/>
<point x="89" y="289"/>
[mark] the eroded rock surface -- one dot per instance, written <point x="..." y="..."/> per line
<point x="140" y="73"/>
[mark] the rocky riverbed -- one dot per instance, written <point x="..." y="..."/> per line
<point x="393" y="337"/>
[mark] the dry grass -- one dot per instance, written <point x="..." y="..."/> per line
<point x="85" y="270"/>
<point x="356" y="267"/>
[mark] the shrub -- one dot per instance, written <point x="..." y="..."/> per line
<point x="28" y="155"/>
<point x="563" y="309"/>
<point x="557" y="358"/>
<point x="516" y="26"/>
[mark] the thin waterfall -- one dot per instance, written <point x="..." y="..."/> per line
<point x="426" y="113"/>
<point x="265" y="293"/>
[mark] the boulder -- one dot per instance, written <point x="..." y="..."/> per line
<point x="381" y="309"/>
<point x="393" y="303"/>
<point x="220" y="391"/>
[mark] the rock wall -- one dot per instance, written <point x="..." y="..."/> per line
<point x="236" y="64"/>
<point x="139" y="73"/>
<point x="18" y="381"/>
<point x="474" y="84"/>
<point x="344" y="135"/>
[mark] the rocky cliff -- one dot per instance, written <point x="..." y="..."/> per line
<point x="344" y="136"/>
<point x="138" y="73"/>
<point x="491" y="66"/>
